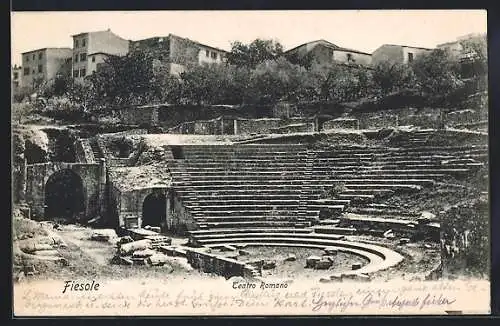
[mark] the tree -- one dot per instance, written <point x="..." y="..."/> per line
<point x="126" y="80"/>
<point x="390" y="77"/>
<point x="437" y="74"/>
<point x="344" y="84"/>
<point x="475" y="50"/>
<point x="306" y="60"/>
<point x="250" y="55"/>
<point x="276" y="80"/>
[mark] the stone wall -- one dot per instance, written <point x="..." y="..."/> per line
<point x="91" y="175"/>
<point x="209" y="263"/>
<point x="341" y="123"/>
<point x="138" y="115"/>
<point x="378" y="120"/>
<point x="181" y="220"/>
<point x="84" y="152"/>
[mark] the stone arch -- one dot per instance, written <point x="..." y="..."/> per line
<point x="154" y="209"/>
<point x="64" y="195"/>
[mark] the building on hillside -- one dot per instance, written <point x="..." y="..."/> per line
<point x="16" y="78"/>
<point x="394" y="53"/>
<point x="90" y="49"/>
<point x="457" y="49"/>
<point x="44" y="65"/>
<point x="324" y="52"/>
<point x="175" y="54"/>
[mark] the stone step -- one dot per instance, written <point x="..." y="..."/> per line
<point x="259" y="218"/>
<point x="383" y="211"/>
<point x="241" y="224"/>
<point x="248" y="231"/>
<point x="255" y="187"/>
<point x="216" y="182"/>
<point x="277" y="234"/>
<point x="238" y="193"/>
<point x="264" y="201"/>
<point x="251" y="213"/>
<point x="394" y="186"/>
<point x="313" y="182"/>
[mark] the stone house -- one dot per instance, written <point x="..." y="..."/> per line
<point x="457" y="49"/>
<point x="16" y="79"/>
<point x="175" y="53"/>
<point x="44" y="65"/>
<point x="324" y="52"/>
<point x="90" y="49"/>
<point x="394" y="53"/>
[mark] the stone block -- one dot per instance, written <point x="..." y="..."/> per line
<point x="311" y="261"/>
<point x="157" y="259"/>
<point x="129" y="248"/>
<point x="269" y="264"/>
<point x="323" y="264"/>
<point x="291" y="257"/>
<point x="125" y="239"/>
<point x="356" y="266"/>
<point x="243" y="252"/>
<point x="143" y="253"/>
<point x="404" y="241"/>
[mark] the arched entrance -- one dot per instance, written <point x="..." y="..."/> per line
<point x="64" y="196"/>
<point x="154" y="209"/>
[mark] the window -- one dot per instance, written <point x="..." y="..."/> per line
<point x="40" y="56"/>
<point x="83" y="42"/>
<point x="34" y="71"/>
<point x="410" y="57"/>
<point x="76" y="43"/>
<point x="76" y="57"/>
<point x="83" y="73"/>
<point x="27" y="58"/>
<point x="83" y="56"/>
<point x="75" y="73"/>
<point x="33" y="56"/>
<point x="16" y="75"/>
<point x="93" y="58"/>
<point x="40" y="68"/>
<point x="207" y="53"/>
<point x="26" y="71"/>
<point x="349" y="57"/>
<point x="214" y="55"/>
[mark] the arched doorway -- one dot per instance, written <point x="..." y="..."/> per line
<point x="64" y="197"/>
<point x="154" y="209"/>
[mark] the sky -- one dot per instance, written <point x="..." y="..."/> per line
<point x="363" y="30"/>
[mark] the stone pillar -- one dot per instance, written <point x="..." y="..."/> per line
<point x="168" y="208"/>
<point x="102" y="187"/>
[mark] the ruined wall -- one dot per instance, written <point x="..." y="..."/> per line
<point x="83" y="152"/>
<point x="138" y="115"/>
<point x="341" y="124"/>
<point x="181" y="219"/>
<point x="257" y="126"/>
<point x="37" y="176"/>
<point x="274" y="125"/>
<point x="218" y="265"/>
<point x="378" y="120"/>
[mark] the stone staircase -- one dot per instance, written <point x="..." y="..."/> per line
<point x="255" y="188"/>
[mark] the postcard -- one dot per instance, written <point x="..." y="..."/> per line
<point x="250" y="163"/>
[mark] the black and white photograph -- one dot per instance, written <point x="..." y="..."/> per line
<point x="299" y="162"/>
